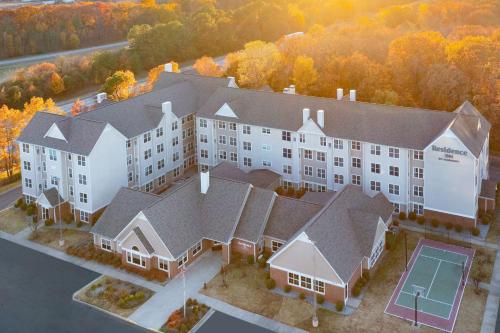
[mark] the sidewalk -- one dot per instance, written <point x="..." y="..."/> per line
<point x="492" y="302"/>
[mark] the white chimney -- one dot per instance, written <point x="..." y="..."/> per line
<point x="166" y="107"/>
<point x="204" y="182"/>
<point x="340" y="93"/>
<point x="286" y="91"/>
<point x="321" y="118"/>
<point x="232" y="82"/>
<point x="169" y="67"/>
<point x="101" y="97"/>
<point x="352" y="95"/>
<point x="306" y="114"/>
<point x="291" y="90"/>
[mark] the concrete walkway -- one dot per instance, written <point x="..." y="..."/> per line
<point x="493" y="300"/>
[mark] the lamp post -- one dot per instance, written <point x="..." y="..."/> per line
<point x="61" y="240"/>
<point x="416" y="307"/>
<point x="406" y="252"/>
<point x="315" y="321"/>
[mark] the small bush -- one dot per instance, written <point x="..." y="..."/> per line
<point x="23" y="206"/>
<point x="290" y="191"/>
<point x="448" y="225"/>
<point x="412" y="216"/>
<point x="339" y="306"/>
<point x="79" y="224"/>
<point x="395" y="223"/>
<point x="421" y="220"/>
<point x="19" y="202"/>
<point x="356" y="291"/>
<point x="287" y="288"/>
<point x="280" y="190"/>
<point x="30" y="210"/>
<point x="435" y="223"/>
<point x="458" y="228"/>
<point x="302" y="295"/>
<point x="485" y="219"/>
<point x="300" y="192"/>
<point x="262" y="262"/>
<point x="250" y="260"/>
<point x="320" y="299"/>
<point x="49" y="222"/>
<point x="402" y="215"/>
<point x="270" y="283"/>
<point x="475" y="231"/>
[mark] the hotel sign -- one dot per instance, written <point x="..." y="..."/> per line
<point x="449" y="153"/>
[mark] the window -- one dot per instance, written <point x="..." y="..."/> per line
<point x="394" y="189"/>
<point x="305" y="282"/>
<point x="308" y="154"/>
<point x="222" y="125"/>
<point x="322" y="141"/>
<point x="149" y="186"/>
<point x="308" y="186"/>
<point x="27" y="165"/>
<point x="375" y="167"/>
<point x="321" y="173"/>
<point x="44" y="166"/>
<point x="286" y="136"/>
<point x="397" y="208"/>
<point x="338" y="144"/>
<point x="293" y="279"/>
<point x="54" y="181"/>
<point x="175" y="156"/>
<point x="266" y="130"/>
<point x="128" y="144"/>
<point x="204" y="153"/>
<point x="196" y="248"/>
<point x="81" y="160"/>
<point x="148" y="170"/>
<point x="175" y="141"/>
<point x="162" y="180"/>
<point x="266" y="147"/>
<point x="83" y="197"/>
<point x="147" y="153"/>
<point x="394" y="171"/>
<point x="393" y="152"/>
<point x="175" y="125"/>
<point x="233" y="157"/>
<point x="266" y="163"/>
<point x="287" y="169"/>
<point x="287" y="153"/>
<point x="418" y="173"/>
<point x="147" y="137"/>
<point x="183" y="260"/>
<point x="247" y="161"/>
<point x="159" y="132"/>
<point x="319" y="286"/>
<point x="246" y="129"/>
<point x="84" y="216"/>
<point x="177" y="171"/>
<point x="321" y="188"/>
<point x="338" y="179"/>
<point x="45" y="213"/>
<point x="418" y="155"/>
<point x="355" y="145"/>
<point x="308" y="170"/>
<point x="418" y="191"/>
<point x="418" y="209"/>
<point x="130" y="177"/>
<point x="356" y="162"/>
<point x="302" y="137"/>
<point x="356" y="179"/>
<point x="82" y="179"/>
<point x="203" y="138"/>
<point x="203" y="123"/>
<point x="28" y="183"/>
<point x="71" y="190"/>
<point x="163" y="265"/>
<point x="320" y="156"/>
<point x="222" y="139"/>
<point x="135" y="258"/>
<point x="375" y="186"/>
<point x="338" y="162"/>
<point x="105" y="244"/>
<point x="129" y="159"/>
<point x="275" y="245"/>
<point x="159" y="148"/>
<point x="52" y="155"/>
<point x="26" y="148"/>
<point x="222" y="154"/>
<point x="247" y="145"/>
<point x="161" y="164"/>
<point x="232" y="126"/>
<point x="375" y="150"/>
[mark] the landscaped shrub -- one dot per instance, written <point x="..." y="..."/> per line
<point x="30" y="210"/>
<point x="250" y="260"/>
<point x="262" y="262"/>
<point x="79" y="224"/>
<point x="412" y="216"/>
<point x="290" y="191"/>
<point x="302" y="295"/>
<point x="339" y="306"/>
<point x="435" y="223"/>
<point x="320" y="299"/>
<point x="18" y="202"/>
<point x="280" y="190"/>
<point x="23" y="205"/>
<point x="485" y="219"/>
<point x="270" y="283"/>
<point x="458" y="228"/>
<point x="356" y="291"/>
<point x="421" y="220"/>
<point x="49" y="222"/>
<point x="287" y="288"/>
<point x="300" y="192"/>
<point x="475" y="231"/>
<point x="366" y="275"/>
<point x="448" y="225"/>
<point x="402" y="215"/>
<point x="395" y="223"/>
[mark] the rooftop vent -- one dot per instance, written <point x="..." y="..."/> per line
<point x="321" y="118"/>
<point x="352" y="95"/>
<point x="306" y="113"/>
<point x="101" y="97"/>
<point x="166" y="107"/>
<point x="204" y="182"/>
<point x="169" y="67"/>
<point x="340" y="93"/>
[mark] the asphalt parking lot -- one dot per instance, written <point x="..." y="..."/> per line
<point x="220" y="322"/>
<point x="36" y="291"/>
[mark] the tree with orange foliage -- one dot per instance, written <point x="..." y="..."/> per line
<point x="56" y="84"/>
<point x="208" y="67"/>
<point x="77" y="107"/>
<point x="155" y="72"/>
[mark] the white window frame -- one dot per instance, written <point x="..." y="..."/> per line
<point x="275" y="245"/>
<point x="197" y="248"/>
<point x="131" y="255"/>
<point x="106" y="245"/>
<point x="163" y="264"/>
<point x="183" y="260"/>
<point x="84" y="216"/>
<point x="375" y="150"/>
<point x="418" y="173"/>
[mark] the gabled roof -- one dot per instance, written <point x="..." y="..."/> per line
<point x="258" y="177"/>
<point x="411" y="128"/>
<point x="81" y="134"/>
<point x="126" y="204"/>
<point x="52" y="196"/>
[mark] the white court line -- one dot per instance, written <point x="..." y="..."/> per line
<point x="421" y="310"/>
<point x="433" y="278"/>
<point x="430" y="299"/>
<point x="451" y="262"/>
<point x="455" y="253"/>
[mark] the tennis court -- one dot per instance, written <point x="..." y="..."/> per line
<point x="437" y="272"/>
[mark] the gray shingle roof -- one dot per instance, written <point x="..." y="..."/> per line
<point x="289" y="215"/>
<point x="259" y="177"/>
<point x="255" y="215"/>
<point x="320" y="198"/>
<point x="53" y="197"/>
<point x="126" y="204"/>
<point x="184" y="216"/>
<point x="406" y="127"/>
<point x="81" y="134"/>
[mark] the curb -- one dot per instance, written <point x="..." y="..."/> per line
<point x="202" y="320"/>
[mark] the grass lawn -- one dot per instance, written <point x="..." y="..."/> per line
<point x="50" y="237"/>
<point x="116" y="296"/>
<point x="246" y="290"/>
<point x="13" y="220"/>
<point x="494" y="232"/>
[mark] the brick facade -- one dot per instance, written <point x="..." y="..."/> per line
<point x="243" y="247"/>
<point x="467" y="223"/>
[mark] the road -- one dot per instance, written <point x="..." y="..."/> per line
<point x="36" y="296"/>
<point x="8" y="197"/>
<point x="220" y="322"/>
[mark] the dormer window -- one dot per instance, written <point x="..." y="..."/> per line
<point x="52" y="155"/>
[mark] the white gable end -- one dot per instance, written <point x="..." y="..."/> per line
<point x="226" y="111"/>
<point x="55" y="132"/>
<point x="311" y="127"/>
